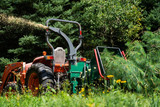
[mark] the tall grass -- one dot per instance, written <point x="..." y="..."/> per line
<point x="114" y="98"/>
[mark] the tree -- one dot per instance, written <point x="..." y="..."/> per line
<point x="151" y="14"/>
<point x="106" y="22"/>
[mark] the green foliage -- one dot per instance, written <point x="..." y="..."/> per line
<point x="148" y="4"/>
<point x="152" y="20"/>
<point x="62" y="99"/>
<point x="152" y="45"/>
<point x="151" y="14"/>
<point x="141" y="70"/>
<point x="108" y="22"/>
<point x="103" y="22"/>
<point x="27" y="44"/>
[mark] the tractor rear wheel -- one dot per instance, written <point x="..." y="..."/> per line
<point x="38" y="78"/>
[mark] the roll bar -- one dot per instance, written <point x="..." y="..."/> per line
<point x="67" y="21"/>
<point x="72" y="50"/>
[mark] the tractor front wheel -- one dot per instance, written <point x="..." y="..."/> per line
<point x="38" y="78"/>
<point x="10" y="88"/>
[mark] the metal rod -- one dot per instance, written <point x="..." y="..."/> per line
<point x="74" y="22"/>
<point x="52" y="48"/>
<point x="99" y="69"/>
<point x="79" y="45"/>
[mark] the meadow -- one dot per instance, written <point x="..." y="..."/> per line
<point x="114" y="98"/>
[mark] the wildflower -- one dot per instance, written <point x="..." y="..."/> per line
<point x="123" y="81"/>
<point x="82" y="95"/>
<point x="82" y="90"/>
<point x="107" y="90"/>
<point x="118" y="81"/>
<point x="110" y="76"/>
<point x="36" y="88"/>
<point x="103" y="92"/>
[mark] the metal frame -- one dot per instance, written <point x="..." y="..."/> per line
<point x="71" y="49"/>
<point x="99" y="61"/>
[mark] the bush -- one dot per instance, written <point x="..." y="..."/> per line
<point x="141" y="70"/>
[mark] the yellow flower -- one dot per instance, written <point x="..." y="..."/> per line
<point x="110" y="76"/>
<point x="107" y="90"/>
<point x="82" y="90"/>
<point x="103" y="92"/>
<point x="123" y="81"/>
<point x="82" y="95"/>
<point x="36" y="88"/>
<point x="118" y="81"/>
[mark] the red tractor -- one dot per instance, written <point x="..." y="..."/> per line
<point x="46" y="70"/>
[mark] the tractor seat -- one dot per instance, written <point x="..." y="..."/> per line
<point x="59" y="56"/>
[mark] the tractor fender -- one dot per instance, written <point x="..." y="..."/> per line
<point x="38" y="59"/>
<point x="41" y="59"/>
<point x="26" y="66"/>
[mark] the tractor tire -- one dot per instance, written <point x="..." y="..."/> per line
<point x="9" y="89"/>
<point x="38" y="78"/>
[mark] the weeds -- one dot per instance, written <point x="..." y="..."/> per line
<point x="63" y="99"/>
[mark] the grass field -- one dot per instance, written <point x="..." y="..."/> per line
<point x="115" y="98"/>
